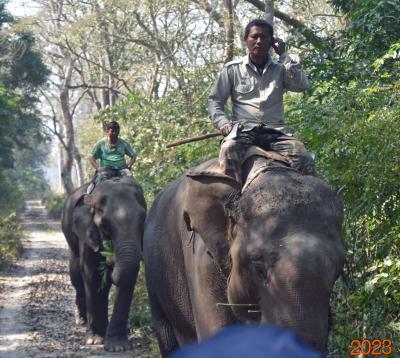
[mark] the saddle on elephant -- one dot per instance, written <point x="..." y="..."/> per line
<point x="271" y="159"/>
<point x="109" y="173"/>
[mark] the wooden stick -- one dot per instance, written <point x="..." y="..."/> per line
<point x="193" y="139"/>
<point x="220" y="304"/>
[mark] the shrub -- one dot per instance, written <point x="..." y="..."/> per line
<point x="54" y="204"/>
<point x="10" y="234"/>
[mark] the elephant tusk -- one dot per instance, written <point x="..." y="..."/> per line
<point x="250" y="311"/>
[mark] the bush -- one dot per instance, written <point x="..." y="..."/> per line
<point x="10" y="234"/>
<point x="54" y="204"/>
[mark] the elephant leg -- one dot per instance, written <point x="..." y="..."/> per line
<point x="167" y="341"/>
<point x="96" y="298"/>
<point x="117" y="337"/>
<point x="77" y="282"/>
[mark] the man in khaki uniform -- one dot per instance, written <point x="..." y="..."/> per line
<point x="256" y="83"/>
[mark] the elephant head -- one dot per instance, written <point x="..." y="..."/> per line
<point x="112" y="212"/>
<point x="282" y="236"/>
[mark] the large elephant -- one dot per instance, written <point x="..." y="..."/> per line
<point x="272" y="251"/>
<point x="114" y="211"/>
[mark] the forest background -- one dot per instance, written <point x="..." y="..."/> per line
<point x="150" y="65"/>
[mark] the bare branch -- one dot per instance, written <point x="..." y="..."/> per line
<point x="53" y="130"/>
<point x="86" y="86"/>
<point x="75" y="105"/>
<point x="214" y="14"/>
<point x="99" y="66"/>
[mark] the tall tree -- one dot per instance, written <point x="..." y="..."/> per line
<point x="60" y="59"/>
<point x="22" y="73"/>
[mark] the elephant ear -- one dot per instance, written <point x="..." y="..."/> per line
<point x="205" y="210"/>
<point x="84" y="224"/>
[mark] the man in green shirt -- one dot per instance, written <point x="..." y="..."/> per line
<point x="111" y="152"/>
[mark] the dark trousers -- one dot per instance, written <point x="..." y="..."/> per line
<point x="233" y="150"/>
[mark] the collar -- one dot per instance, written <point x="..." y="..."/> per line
<point x="247" y="61"/>
<point x="109" y="145"/>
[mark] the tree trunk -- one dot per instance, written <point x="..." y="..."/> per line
<point x="269" y="11"/>
<point x="155" y="84"/>
<point x="229" y="31"/>
<point x="68" y="125"/>
<point x="79" y="168"/>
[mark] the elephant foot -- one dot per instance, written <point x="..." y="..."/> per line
<point x="94" y="339"/>
<point x="117" y="344"/>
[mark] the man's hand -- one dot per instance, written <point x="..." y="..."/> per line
<point x="279" y="46"/>
<point x="225" y="129"/>
<point x="101" y="169"/>
<point x="131" y="162"/>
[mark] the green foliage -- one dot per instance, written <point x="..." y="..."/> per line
<point x="373" y="26"/>
<point x="10" y="234"/>
<point x="10" y="194"/>
<point x="355" y="134"/>
<point x="106" y="264"/>
<point x="54" y="203"/>
<point x="349" y="119"/>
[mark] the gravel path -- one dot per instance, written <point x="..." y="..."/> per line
<point x="37" y="300"/>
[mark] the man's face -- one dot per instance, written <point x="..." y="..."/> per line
<point x="112" y="134"/>
<point x="259" y="42"/>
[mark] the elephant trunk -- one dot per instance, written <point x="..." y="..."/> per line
<point x="299" y="312"/>
<point x="297" y="293"/>
<point x="126" y="264"/>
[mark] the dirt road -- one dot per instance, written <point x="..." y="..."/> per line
<point x="37" y="299"/>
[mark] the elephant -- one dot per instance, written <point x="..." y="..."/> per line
<point x="216" y="254"/>
<point x="115" y="211"/>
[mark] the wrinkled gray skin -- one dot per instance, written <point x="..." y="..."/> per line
<point x="115" y="211"/>
<point x="277" y="245"/>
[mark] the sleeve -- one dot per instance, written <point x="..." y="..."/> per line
<point x="295" y="78"/>
<point x="129" y="150"/>
<point x="96" y="151"/>
<point x="217" y="100"/>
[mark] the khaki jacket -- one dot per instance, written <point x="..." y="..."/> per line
<point x="255" y="98"/>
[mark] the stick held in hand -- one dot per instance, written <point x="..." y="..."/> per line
<point x="193" y="139"/>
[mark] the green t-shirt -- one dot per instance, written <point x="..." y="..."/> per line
<point x="112" y="155"/>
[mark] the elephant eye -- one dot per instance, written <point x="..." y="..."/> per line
<point x="259" y="268"/>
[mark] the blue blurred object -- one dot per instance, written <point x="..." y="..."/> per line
<point x="240" y="341"/>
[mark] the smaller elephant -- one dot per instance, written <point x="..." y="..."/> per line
<point x="115" y="211"/>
